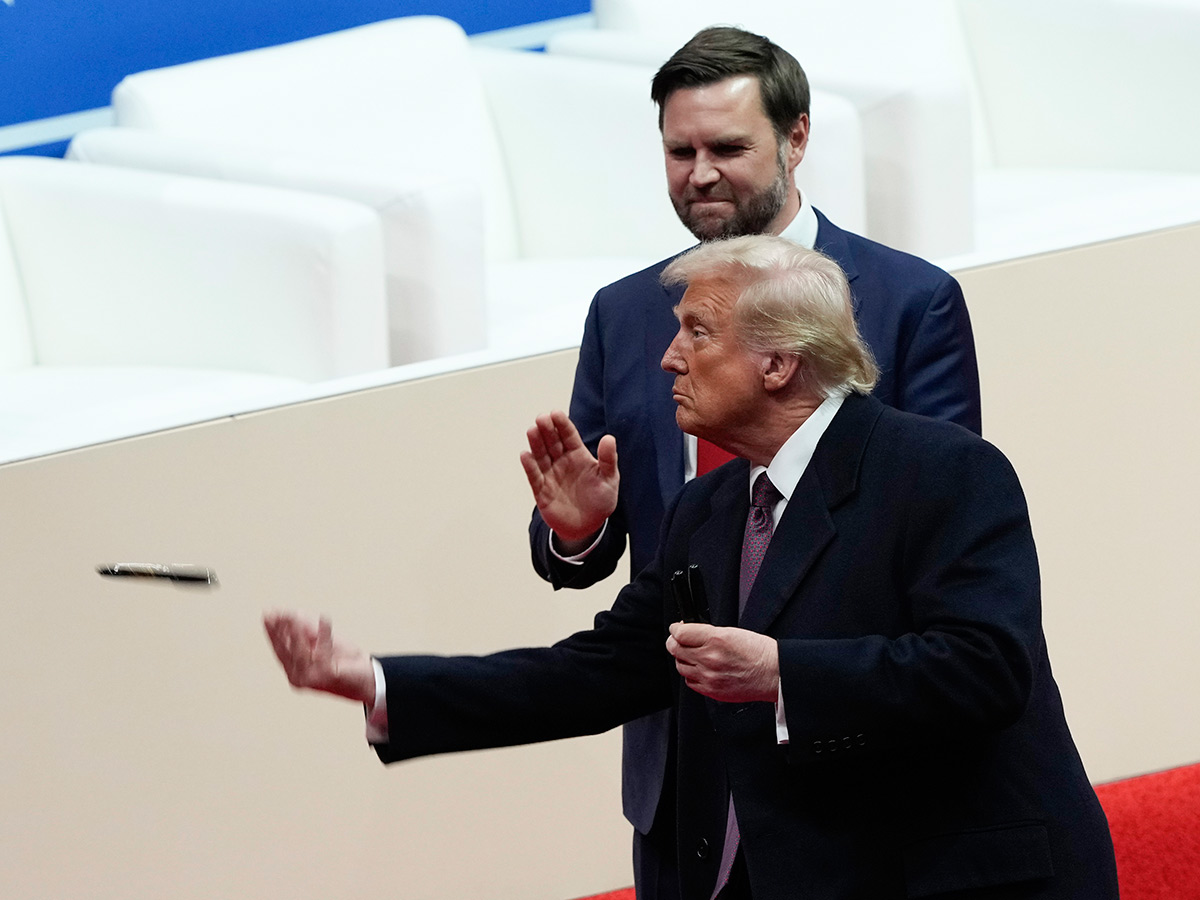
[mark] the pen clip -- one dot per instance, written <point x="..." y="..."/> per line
<point x="699" y="596"/>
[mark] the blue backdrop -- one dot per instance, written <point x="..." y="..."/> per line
<point x="64" y="56"/>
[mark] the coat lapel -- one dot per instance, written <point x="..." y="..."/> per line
<point x="807" y="525"/>
<point x="716" y="546"/>
<point x="831" y="241"/>
<point x="803" y="532"/>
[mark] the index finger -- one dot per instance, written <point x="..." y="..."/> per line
<point x="568" y="434"/>
<point x="533" y="434"/>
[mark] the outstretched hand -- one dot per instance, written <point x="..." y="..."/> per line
<point x="313" y="660"/>
<point x="574" y="491"/>
<point x="729" y="664"/>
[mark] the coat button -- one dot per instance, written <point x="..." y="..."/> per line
<point x="847" y="742"/>
<point x="861" y="740"/>
<point x="818" y="746"/>
<point x="702" y="849"/>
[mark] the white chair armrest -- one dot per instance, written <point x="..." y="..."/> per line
<point x="126" y="267"/>
<point x="433" y="229"/>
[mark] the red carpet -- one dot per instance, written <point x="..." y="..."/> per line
<point x="1155" y="824"/>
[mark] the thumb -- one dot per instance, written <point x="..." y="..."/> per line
<point x="690" y="634"/>
<point x="606" y="456"/>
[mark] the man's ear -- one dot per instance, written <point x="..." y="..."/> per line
<point x="779" y="370"/>
<point x="797" y="141"/>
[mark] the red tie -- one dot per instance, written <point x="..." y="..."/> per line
<point x="709" y="456"/>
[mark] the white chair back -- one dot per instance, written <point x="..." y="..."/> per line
<point x="399" y="95"/>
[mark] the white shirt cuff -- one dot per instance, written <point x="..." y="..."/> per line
<point x="781" y="729"/>
<point x="377" y="717"/>
<point x="578" y="558"/>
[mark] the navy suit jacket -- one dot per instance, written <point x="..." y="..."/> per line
<point x="928" y="749"/>
<point x="910" y="313"/>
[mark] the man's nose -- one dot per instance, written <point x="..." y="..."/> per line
<point x="704" y="172"/>
<point x="672" y="360"/>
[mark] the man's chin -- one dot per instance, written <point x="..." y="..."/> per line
<point x="687" y="422"/>
<point x="707" y="228"/>
<point x="711" y="231"/>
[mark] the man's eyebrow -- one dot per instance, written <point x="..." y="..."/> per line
<point x="691" y="313"/>
<point x="733" y="137"/>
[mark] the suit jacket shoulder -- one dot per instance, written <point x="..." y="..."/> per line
<point x="913" y="317"/>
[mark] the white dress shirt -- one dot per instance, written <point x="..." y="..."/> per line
<point x="785" y="470"/>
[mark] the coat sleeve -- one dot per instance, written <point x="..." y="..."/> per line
<point x="588" y="683"/>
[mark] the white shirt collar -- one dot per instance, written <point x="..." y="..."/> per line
<point x="802" y="229"/>
<point x="797" y="451"/>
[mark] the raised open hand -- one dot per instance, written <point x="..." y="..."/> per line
<point x="574" y="490"/>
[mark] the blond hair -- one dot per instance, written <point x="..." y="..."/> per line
<point x="790" y="300"/>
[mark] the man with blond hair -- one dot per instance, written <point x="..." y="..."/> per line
<point x="861" y="701"/>
<point x="733" y="111"/>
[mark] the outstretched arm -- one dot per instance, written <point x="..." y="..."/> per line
<point x="574" y="491"/>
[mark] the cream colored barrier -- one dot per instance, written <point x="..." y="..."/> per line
<point x="1088" y="364"/>
<point x="152" y="749"/>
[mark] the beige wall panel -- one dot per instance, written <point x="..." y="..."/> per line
<point x="1090" y="380"/>
<point x="152" y="747"/>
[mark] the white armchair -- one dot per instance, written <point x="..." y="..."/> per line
<point x="125" y="295"/>
<point x="563" y="152"/>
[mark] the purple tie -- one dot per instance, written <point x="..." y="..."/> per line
<point x="759" y="526"/>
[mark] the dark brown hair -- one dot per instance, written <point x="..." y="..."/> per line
<point x="723" y="51"/>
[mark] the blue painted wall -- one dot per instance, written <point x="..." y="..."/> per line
<point x="64" y="56"/>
